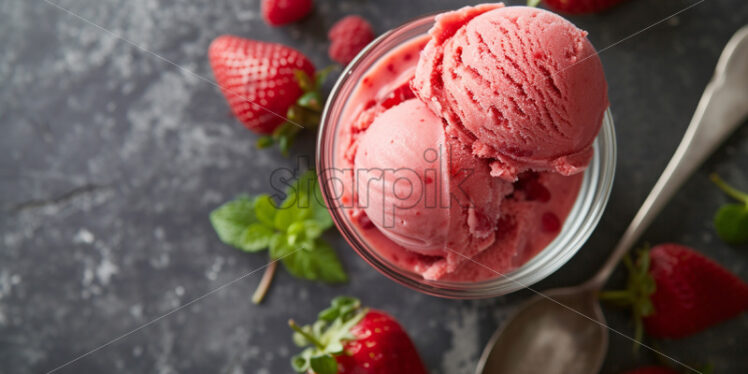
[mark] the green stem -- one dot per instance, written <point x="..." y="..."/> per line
<point x="305" y="334"/>
<point x="638" y="332"/>
<point x="622" y="295"/>
<point x="729" y="189"/>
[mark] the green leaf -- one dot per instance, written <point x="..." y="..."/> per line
<point x="265" y="209"/>
<point x="307" y="193"/>
<point x="279" y="246"/>
<point x="256" y="237"/>
<point x="284" y="144"/>
<point x="321" y="75"/>
<point x="264" y="142"/>
<point x="319" y="264"/>
<point x="312" y="228"/>
<point x="301" y="234"/>
<point x="231" y="219"/>
<point x="731" y="222"/>
<point x="345" y="301"/>
<point x="324" y="364"/>
<point x="294" y="115"/>
<point x="533" y="3"/>
<point x="288" y="213"/>
<point x="311" y="100"/>
<point x="334" y="347"/>
<point x="300" y="363"/>
<point x="329" y="314"/>
<point x="321" y="214"/>
<point x="305" y="82"/>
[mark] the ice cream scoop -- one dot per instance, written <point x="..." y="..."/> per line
<point x="424" y="190"/>
<point x="399" y="179"/>
<point x="522" y="86"/>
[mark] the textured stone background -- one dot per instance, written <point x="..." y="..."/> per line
<point x="112" y="160"/>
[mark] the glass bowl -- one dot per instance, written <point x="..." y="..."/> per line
<point x="581" y="221"/>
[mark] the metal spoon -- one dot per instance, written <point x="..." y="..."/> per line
<point x="563" y="330"/>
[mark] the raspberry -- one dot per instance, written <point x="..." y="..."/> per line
<point x="348" y="37"/>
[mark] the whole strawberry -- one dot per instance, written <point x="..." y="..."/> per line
<point x="676" y="292"/>
<point x="652" y="370"/>
<point x="348" y="37"/>
<point x="269" y="87"/>
<point x="281" y="12"/>
<point x="349" y="339"/>
<point x="577" y="6"/>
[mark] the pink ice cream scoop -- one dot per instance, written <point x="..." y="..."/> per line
<point x="521" y="86"/>
<point x="425" y="191"/>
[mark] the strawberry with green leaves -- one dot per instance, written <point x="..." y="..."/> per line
<point x="675" y="292"/>
<point x="290" y="231"/>
<point x="731" y="220"/>
<point x="271" y="88"/>
<point x="350" y="339"/>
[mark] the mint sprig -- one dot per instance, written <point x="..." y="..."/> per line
<point x="291" y="231"/>
<point x="731" y="220"/>
<point x="306" y="113"/>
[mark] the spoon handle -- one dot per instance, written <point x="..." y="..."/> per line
<point x="719" y="112"/>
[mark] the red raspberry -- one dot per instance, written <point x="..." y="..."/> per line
<point x="348" y="37"/>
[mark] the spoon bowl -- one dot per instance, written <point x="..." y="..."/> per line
<point x="562" y="331"/>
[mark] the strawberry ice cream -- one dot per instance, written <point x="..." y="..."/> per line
<point x="424" y="191"/>
<point x="522" y="85"/>
<point x="461" y="151"/>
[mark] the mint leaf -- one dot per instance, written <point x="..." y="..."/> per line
<point x="302" y="234"/>
<point x="265" y="209"/>
<point x="256" y="237"/>
<point x="290" y="231"/>
<point x="320" y="212"/>
<point x="324" y="364"/>
<point x="302" y="188"/>
<point x="230" y="220"/>
<point x="301" y="203"/>
<point x="731" y="222"/>
<point x="312" y="229"/>
<point x="289" y="212"/>
<point x="279" y="246"/>
<point x="321" y="264"/>
<point x="306" y="193"/>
